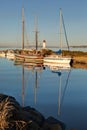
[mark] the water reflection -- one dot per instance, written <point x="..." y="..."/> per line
<point x="36" y="70"/>
<point x="23" y="86"/>
<point x="73" y="105"/>
<point x="59" y="70"/>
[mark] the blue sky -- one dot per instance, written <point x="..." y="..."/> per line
<point x="47" y="11"/>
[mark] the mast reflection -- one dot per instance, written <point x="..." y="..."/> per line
<point x="23" y="86"/>
<point x="58" y="71"/>
<point x="36" y="71"/>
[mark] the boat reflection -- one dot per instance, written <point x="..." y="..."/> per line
<point x="23" y="86"/>
<point x="57" y="66"/>
<point x="59" y="71"/>
<point x="36" y="72"/>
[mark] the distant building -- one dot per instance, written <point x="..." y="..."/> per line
<point x="44" y="43"/>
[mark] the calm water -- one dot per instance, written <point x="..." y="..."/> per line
<point x="61" y="95"/>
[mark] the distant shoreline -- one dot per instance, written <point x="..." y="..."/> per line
<point x="30" y="46"/>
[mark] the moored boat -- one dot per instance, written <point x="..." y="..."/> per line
<point x="2" y="54"/>
<point x="56" y="59"/>
<point x="10" y="55"/>
<point x="33" y="58"/>
<point x="19" y="57"/>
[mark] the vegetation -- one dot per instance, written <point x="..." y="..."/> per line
<point x="73" y="53"/>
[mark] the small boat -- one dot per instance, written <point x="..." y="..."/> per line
<point x="10" y="55"/>
<point x="2" y="54"/>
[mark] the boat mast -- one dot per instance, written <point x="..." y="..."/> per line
<point x="65" y="33"/>
<point x="36" y="33"/>
<point x="61" y="28"/>
<point x="22" y="27"/>
<point x="62" y="23"/>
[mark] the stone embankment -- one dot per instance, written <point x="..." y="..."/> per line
<point x="15" y="117"/>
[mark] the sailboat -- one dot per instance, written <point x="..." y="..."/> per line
<point x="31" y="56"/>
<point x="58" y="59"/>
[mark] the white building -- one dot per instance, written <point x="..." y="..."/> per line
<point x="44" y="43"/>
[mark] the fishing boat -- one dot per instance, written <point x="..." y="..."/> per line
<point x="58" y="58"/>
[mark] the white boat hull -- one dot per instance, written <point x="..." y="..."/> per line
<point x="2" y="54"/>
<point x="57" y="60"/>
<point x="10" y="56"/>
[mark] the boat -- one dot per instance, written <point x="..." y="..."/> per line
<point x="58" y="58"/>
<point x="2" y="54"/>
<point x="34" y="58"/>
<point x="19" y="57"/>
<point x="10" y="55"/>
